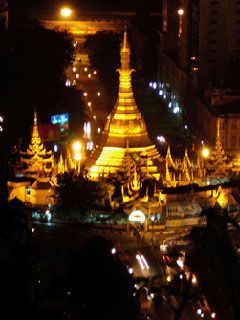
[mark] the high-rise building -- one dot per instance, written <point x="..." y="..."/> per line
<point x="199" y="41"/>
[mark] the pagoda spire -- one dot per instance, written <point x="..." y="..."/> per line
<point x="36" y="157"/>
<point x="186" y="166"/>
<point x="218" y="155"/>
<point x="169" y="158"/>
<point x="218" y="163"/>
<point x="125" y="131"/>
<point x="36" y="146"/>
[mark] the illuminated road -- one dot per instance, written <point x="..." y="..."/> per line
<point x="135" y="252"/>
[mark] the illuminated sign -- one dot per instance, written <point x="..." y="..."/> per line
<point x="137" y="216"/>
<point x="61" y="119"/>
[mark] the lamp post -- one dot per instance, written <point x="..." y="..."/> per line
<point x="205" y="155"/>
<point x="66" y="12"/>
<point x="77" y="154"/>
<point x="180" y="27"/>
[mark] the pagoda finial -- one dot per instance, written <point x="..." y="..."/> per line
<point x="125" y="54"/>
<point x="35" y="117"/>
<point x="125" y="45"/>
<point x="218" y="128"/>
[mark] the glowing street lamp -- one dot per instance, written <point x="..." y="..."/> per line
<point x="66" y="12"/>
<point x="77" y="149"/>
<point x="205" y="153"/>
<point x="77" y="146"/>
<point x="77" y="156"/>
<point x="180" y="14"/>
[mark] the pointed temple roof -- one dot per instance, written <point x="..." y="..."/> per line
<point x="125" y="129"/>
<point x="36" y="157"/>
<point x="218" y="162"/>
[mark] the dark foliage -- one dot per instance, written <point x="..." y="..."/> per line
<point x="15" y="266"/>
<point x="78" y="194"/>
<point x="32" y="62"/>
<point x="82" y="279"/>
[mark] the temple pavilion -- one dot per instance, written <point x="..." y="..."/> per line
<point x="37" y="160"/>
<point x="125" y="130"/>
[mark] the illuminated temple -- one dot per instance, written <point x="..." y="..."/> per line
<point x="125" y="131"/>
<point x="38" y="161"/>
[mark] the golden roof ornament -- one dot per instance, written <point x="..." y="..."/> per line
<point x="36" y="157"/>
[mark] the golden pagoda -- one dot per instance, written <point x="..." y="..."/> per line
<point x="125" y="130"/>
<point x="218" y="165"/>
<point x="37" y="160"/>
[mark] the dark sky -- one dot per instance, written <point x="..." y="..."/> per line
<point x="51" y="7"/>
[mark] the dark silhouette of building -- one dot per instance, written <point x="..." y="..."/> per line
<point x="199" y="40"/>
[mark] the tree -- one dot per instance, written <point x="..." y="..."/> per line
<point x="79" y="195"/>
<point x="81" y="279"/>
<point x="15" y="261"/>
<point x="32" y="62"/>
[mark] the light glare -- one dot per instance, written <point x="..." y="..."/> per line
<point x="66" y="12"/>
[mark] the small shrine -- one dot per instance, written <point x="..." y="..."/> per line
<point x="36" y="161"/>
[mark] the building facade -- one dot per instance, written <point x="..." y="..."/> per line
<point x="199" y="41"/>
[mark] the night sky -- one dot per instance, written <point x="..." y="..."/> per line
<point x="21" y="10"/>
<point x="50" y="7"/>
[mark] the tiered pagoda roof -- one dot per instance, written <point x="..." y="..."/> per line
<point x="37" y="159"/>
<point x="219" y="164"/>
<point x="125" y="130"/>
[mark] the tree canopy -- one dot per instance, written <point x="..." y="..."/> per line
<point x="32" y="62"/>
<point x="78" y="195"/>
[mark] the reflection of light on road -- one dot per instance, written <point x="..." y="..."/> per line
<point x="130" y="270"/>
<point x="145" y="262"/>
<point x="142" y="261"/>
<point x="194" y="279"/>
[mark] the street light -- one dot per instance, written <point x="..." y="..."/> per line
<point x="77" y="146"/>
<point x="205" y="153"/>
<point x="77" y="149"/>
<point x="180" y="14"/>
<point x="66" y="12"/>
